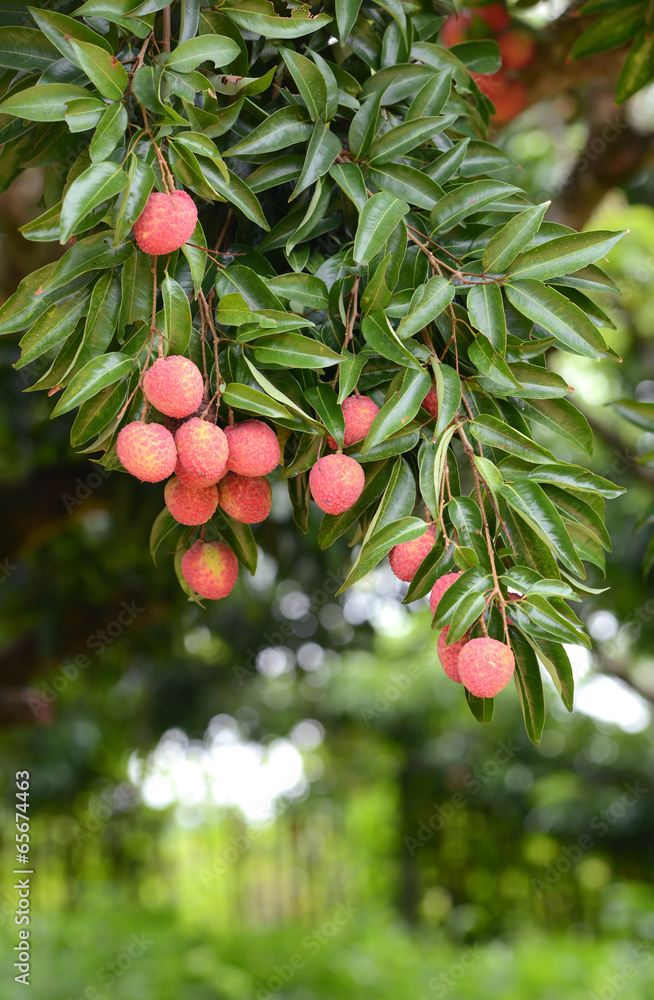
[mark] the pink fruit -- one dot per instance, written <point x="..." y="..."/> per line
<point x="517" y="48"/>
<point x="495" y="15"/>
<point x="253" y="448"/>
<point x="197" y="482"/>
<point x="485" y="667"/>
<point x="336" y="482"/>
<point x="359" y="413"/>
<point x="449" y="655"/>
<point x="430" y="402"/>
<point x="455" y="29"/>
<point x="439" y="589"/>
<point x="245" y="498"/>
<point x="147" y="451"/>
<point x="174" y="386"/>
<point x="202" y="448"/>
<point x="210" y="569"/>
<point x="166" y="222"/>
<point x="190" y="506"/>
<point x="407" y="556"/>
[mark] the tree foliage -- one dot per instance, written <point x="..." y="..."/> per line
<point x="355" y="236"/>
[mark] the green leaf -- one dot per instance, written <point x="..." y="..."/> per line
<point x="103" y="70"/>
<point x="563" y="255"/>
<point x="532" y="504"/>
<point x="309" y="81"/>
<point x="402" y="138"/>
<point x="163" y="524"/>
<point x="26" y="49"/>
<point x="347" y="12"/>
<point x="94" y="376"/>
<point x="564" y="320"/>
<point x="62" y="30"/>
<point x="101" y="319"/>
<point x="255" y="291"/>
<point x="97" y="413"/>
<point x="95" y="185"/>
<point x="46" y="103"/>
<point x="244" y="397"/>
<point x="498" y="434"/>
<point x="486" y="312"/>
<point x="637" y="68"/>
<point x="431" y="97"/>
<point x="465" y="200"/>
<point x="610" y="32"/>
<point x="380" y="336"/>
<point x="217" y="49"/>
<point x="408" y="183"/>
<point x="428" y="302"/>
<point x="574" y="477"/>
<point x="379" y="217"/>
<point x="374" y="548"/>
<point x="636" y="412"/>
<point x="324" y="401"/>
<point x="306" y="289"/>
<point x="504" y="247"/>
<point x="82" y="115"/>
<point x="376" y="294"/>
<point x="55" y="325"/>
<point x="260" y="17"/>
<point x="349" y="178"/>
<point x="399" y="409"/>
<point x="140" y="181"/>
<point x="109" y="132"/>
<point x="177" y="316"/>
<point x="322" y="150"/>
<point x="364" y="127"/>
<point x="292" y="350"/>
<point x="529" y="685"/>
<point x="472" y="582"/>
<point x="333" y="526"/>
<point x="280" y="130"/>
<point x="448" y="393"/>
<point x="562" y="418"/>
<point x="240" y="539"/>
<point x="236" y="191"/>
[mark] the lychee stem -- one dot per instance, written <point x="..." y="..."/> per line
<point x="166" y="27"/>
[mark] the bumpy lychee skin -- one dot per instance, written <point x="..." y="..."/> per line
<point x="439" y="589"/>
<point x="189" y="506"/>
<point x="166" y="222"/>
<point x="147" y="451"/>
<point x="202" y="448"/>
<point x="430" y="402"/>
<point x="194" y="480"/>
<point x="449" y="655"/>
<point x="210" y="569"/>
<point x="359" y="413"/>
<point x="245" y="498"/>
<point x="336" y="482"/>
<point x="406" y="557"/>
<point x="485" y="667"/>
<point x="174" y="386"/>
<point x="253" y="448"/>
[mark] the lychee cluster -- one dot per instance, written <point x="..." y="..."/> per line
<point x="166" y="222"/>
<point x="517" y="47"/>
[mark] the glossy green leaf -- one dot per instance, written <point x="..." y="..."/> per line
<point x="427" y="303"/>
<point x="379" y="217"/>
<point x="282" y="129"/>
<point x="564" y="320"/>
<point x="96" y="375"/>
<point x="486" y="311"/>
<point x="399" y="409"/>
<point x="46" y="103"/>
<point x="217" y="49"/>
<point x="563" y="255"/>
<point x="322" y="150"/>
<point x="103" y="70"/>
<point x="532" y="503"/>
<point x="109" y="132"/>
<point x="511" y="240"/>
<point x="529" y="685"/>
<point x="403" y="138"/>
<point x="95" y="185"/>
<point x="498" y="434"/>
<point x="50" y="329"/>
<point x="466" y="199"/>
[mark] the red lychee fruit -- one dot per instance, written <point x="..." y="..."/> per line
<point x="439" y="589"/>
<point x="510" y="97"/>
<point x="407" y="556"/>
<point x="517" y="48"/>
<point x="202" y="448"/>
<point x="336" y="482"/>
<point x="359" y="413"/>
<point x="430" y="402"/>
<point x="210" y="569"/>
<point x="245" y="498"/>
<point x="190" y="506"/>
<point x="194" y="480"/>
<point x="485" y="667"/>
<point x="495" y="15"/>
<point x="147" y="451"/>
<point x="174" y="386"/>
<point x="449" y="655"/>
<point x="455" y="29"/>
<point x="166" y="222"/>
<point x="253" y="448"/>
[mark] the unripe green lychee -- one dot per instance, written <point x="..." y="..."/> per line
<point x="449" y="655"/>
<point x="245" y="498"/>
<point x="485" y="667"/>
<point x="430" y="402"/>
<point x="439" y="589"/>
<point x="147" y="451"/>
<point x="166" y="222"/>
<point x="253" y="448"/>
<point x="407" y="556"/>
<point x="336" y="482"/>
<point x="210" y="569"/>
<point x="202" y="448"/>
<point x="359" y="413"/>
<point x="174" y="386"/>
<point x="190" y="506"/>
<point x="194" y="480"/>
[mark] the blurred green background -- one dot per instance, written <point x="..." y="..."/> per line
<point x="282" y="795"/>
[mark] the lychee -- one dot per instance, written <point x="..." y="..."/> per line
<point x="245" y="498"/>
<point x="359" y="413"/>
<point x="190" y="506"/>
<point x="166" y="222"/>
<point x="336" y="482"/>
<point x="407" y="556"/>
<point x="210" y="569"/>
<point x="202" y="448"/>
<point x="517" y="48"/>
<point x="174" y="386"/>
<point x="192" y="479"/>
<point x="510" y="97"/>
<point x="430" y="402"/>
<point x="455" y="29"/>
<point x="253" y="448"/>
<point x="449" y="655"/>
<point x="495" y="15"/>
<point x="147" y="451"/>
<point x="439" y="589"/>
<point x="485" y="666"/>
